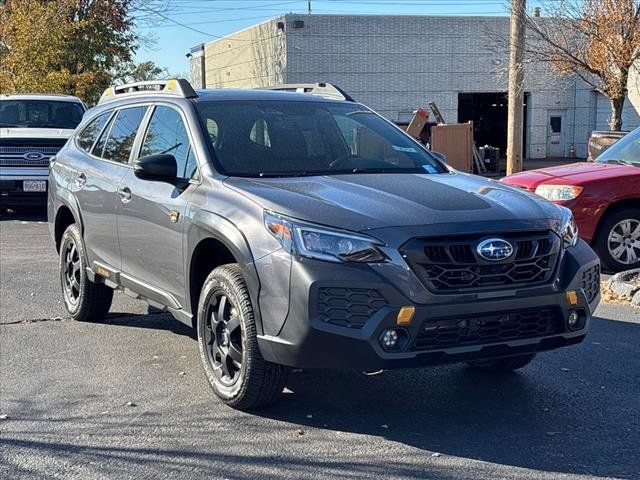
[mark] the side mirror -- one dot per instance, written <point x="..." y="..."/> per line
<point x="161" y="167"/>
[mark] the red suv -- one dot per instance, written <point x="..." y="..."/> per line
<point x="604" y="197"/>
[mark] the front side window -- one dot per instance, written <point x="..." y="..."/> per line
<point x="119" y="137"/>
<point x="295" y="138"/>
<point x="167" y="134"/>
<point x="89" y="134"/>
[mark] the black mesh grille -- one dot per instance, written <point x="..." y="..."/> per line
<point x="452" y="264"/>
<point x="591" y="282"/>
<point x="488" y="328"/>
<point x="348" y="307"/>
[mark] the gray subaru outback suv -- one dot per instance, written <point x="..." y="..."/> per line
<point x="304" y="230"/>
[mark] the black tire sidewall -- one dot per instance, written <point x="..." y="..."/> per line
<point x="73" y="233"/>
<point x="219" y="280"/>
<point x="602" y="238"/>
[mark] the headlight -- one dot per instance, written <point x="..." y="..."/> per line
<point x="558" y="193"/>
<point x="321" y="243"/>
<point x="568" y="229"/>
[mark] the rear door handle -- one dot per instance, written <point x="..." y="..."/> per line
<point x="125" y="194"/>
<point x="81" y="180"/>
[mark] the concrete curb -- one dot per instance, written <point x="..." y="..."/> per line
<point x="626" y="285"/>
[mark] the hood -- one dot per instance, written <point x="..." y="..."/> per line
<point x="574" y="174"/>
<point x="29" y="133"/>
<point x="375" y="201"/>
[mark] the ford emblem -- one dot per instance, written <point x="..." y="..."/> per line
<point x="495" y="249"/>
<point x="33" y="156"/>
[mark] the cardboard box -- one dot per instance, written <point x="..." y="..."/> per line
<point x="418" y="122"/>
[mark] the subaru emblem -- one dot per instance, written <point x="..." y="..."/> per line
<point x="33" y="156"/>
<point x="495" y="249"/>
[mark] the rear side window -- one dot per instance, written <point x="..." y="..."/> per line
<point x="121" y="135"/>
<point x="167" y="134"/>
<point x="89" y="134"/>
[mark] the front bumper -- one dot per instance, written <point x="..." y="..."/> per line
<point x="12" y="193"/>
<point x="318" y="334"/>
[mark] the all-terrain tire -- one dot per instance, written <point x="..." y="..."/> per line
<point x="506" y="364"/>
<point x="85" y="301"/>
<point x="229" y="325"/>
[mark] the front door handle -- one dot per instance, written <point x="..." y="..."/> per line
<point x="125" y="194"/>
<point x="81" y="180"/>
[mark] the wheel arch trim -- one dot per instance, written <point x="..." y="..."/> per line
<point x="208" y="225"/>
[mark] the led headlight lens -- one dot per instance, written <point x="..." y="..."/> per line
<point x="323" y="244"/>
<point x="558" y="193"/>
<point x="568" y="229"/>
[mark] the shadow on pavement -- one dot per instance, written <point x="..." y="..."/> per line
<point x="27" y="214"/>
<point x="575" y="424"/>
<point x="560" y="414"/>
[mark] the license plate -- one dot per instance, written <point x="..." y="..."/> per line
<point x="34" y="186"/>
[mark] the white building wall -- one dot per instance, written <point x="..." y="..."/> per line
<point x="396" y="64"/>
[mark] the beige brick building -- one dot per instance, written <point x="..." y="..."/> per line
<point x="395" y="64"/>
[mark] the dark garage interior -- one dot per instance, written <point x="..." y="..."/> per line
<point x="488" y="112"/>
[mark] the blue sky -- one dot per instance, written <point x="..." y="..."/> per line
<point x="171" y="41"/>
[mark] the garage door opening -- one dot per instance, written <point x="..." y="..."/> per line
<point x="488" y="112"/>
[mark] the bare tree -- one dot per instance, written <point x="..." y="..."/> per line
<point x="596" y="40"/>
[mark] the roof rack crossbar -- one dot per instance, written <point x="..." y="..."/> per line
<point x="322" y="89"/>
<point x="174" y="86"/>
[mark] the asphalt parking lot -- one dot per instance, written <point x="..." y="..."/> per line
<point x="127" y="399"/>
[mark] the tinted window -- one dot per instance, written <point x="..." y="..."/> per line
<point x="122" y="134"/>
<point x="90" y="133"/>
<point x="40" y="114"/>
<point x="261" y="138"/>
<point x="167" y="134"/>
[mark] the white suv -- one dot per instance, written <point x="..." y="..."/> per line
<point x="33" y="127"/>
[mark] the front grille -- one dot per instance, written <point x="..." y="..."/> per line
<point x="348" y="307"/>
<point x="12" y="153"/>
<point x="591" y="282"/>
<point x="450" y="265"/>
<point x="489" y="328"/>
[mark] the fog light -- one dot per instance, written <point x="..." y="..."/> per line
<point x="389" y="339"/>
<point x="574" y="320"/>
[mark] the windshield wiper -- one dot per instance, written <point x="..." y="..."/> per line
<point x="621" y="162"/>
<point x="9" y="125"/>
<point x="283" y="174"/>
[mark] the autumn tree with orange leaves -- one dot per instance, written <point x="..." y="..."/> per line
<point x="597" y="40"/>
<point x="64" y="46"/>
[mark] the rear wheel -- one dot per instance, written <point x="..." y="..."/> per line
<point x="85" y="301"/>
<point x="618" y="240"/>
<point x="506" y="364"/>
<point x="228" y="343"/>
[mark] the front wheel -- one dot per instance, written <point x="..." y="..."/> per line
<point x="618" y="240"/>
<point x="506" y="364"/>
<point x="85" y="301"/>
<point x="228" y="343"/>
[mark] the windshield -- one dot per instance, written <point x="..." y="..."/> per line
<point x="40" y="114"/>
<point x="625" y="151"/>
<point x="275" y="138"/>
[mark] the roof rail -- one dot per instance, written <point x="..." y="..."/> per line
<point x="323" y="89"/>
<point x="174" y="86"/>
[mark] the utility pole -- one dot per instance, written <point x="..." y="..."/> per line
<point x="309" y="7"/>
<point x="515" y="122"/>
